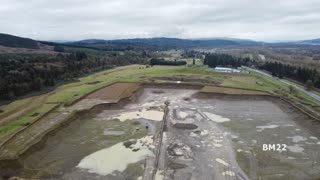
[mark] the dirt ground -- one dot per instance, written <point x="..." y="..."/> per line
<point x="208" y="136"/>
<point x="230" y="91"/>
<point x="115" y="91"/>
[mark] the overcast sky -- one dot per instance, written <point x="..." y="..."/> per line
<point x="267" y="20"/>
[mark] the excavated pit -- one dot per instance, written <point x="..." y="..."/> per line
<point x="217" y="137"/>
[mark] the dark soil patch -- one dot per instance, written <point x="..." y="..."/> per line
<point x="127" y="144"/>
<point x="35" y="114"/>
<point x="173" y="165"/>
<point x="157" y="92"/>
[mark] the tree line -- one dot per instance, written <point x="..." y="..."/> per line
<point x="309" y="76"/>
<point x="22" y="74"/>
<point x="225" y="60"/>
<point x="298" y="73"/>
<point x="155" y="61"/>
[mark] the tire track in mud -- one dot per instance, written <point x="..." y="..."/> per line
<point x="224" y="155"/>
<point x="213" y="156"/>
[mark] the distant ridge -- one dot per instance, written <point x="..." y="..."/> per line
<point x="163" y="42"/>
<point x="160" y="43"/>
<point x="17" y="42"/>
<point x="311" y="42"/>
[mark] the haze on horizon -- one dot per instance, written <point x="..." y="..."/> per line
<point x="263" y="20"/>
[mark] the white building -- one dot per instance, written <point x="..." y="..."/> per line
<point x="227" y="70"/>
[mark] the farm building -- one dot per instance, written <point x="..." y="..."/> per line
<point x="227" y="70"/>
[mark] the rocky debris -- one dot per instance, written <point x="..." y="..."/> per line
<point x="187" y="99"/>
<point x="185" y="124"/>
<point x="156" y="108"/>
<point x="179" y="149"/>
<point x="197" y="133"/>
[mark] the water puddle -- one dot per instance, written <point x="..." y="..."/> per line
<point x="261" y="128"/>
<point x="296" y="148"/>
<point x="228" y="173"/>
<point x="117" y="157"/>
<point x="314" y="138"/>
<point x="145" y="114"/>
<point x="111" y="132"/>
<point x="183" y="114"/>
<point x="158" y="176"/>
<point x="296" y="139"/>
<point x="216" y="118"/>
<point x="222" y="162"/>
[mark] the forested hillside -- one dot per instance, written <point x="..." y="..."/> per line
<point x="19" y="42"/>
<point x="22" y="74"/>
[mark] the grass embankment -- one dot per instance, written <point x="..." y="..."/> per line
<point x="29" y="109"/>
<point x="283" y="89"/>
<point x="297" y="98"/>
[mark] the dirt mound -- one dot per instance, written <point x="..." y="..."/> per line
<point x="179" y="149"/>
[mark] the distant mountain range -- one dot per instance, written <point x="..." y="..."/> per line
<point x="160" y="43"/>
<point x="173" y="42"/>
<point x="312" y="42"/>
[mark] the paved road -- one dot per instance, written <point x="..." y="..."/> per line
<point x="315" y="96"/>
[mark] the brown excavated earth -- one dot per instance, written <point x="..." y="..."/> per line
<point x="115" y="91"/>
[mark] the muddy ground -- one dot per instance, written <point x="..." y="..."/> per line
<point x="207" y="137"/>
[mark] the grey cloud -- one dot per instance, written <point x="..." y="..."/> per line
<point x="109" y="19"/>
